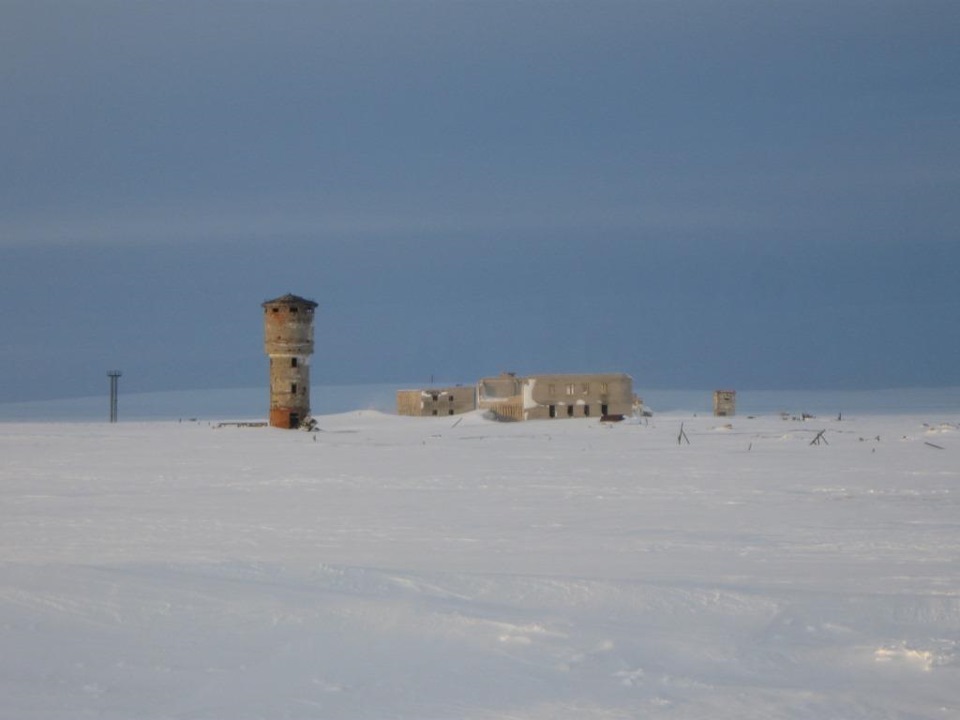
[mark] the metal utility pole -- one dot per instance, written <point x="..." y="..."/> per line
<point x="114" y="375"/>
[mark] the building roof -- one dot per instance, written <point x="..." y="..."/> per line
<point x="563" y="377"/>
<point x="290" y="299"/>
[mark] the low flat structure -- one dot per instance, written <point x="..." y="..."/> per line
<point x="428" y="402"/>
<point x="724" y="403"/>
<point x="557" y="396"/>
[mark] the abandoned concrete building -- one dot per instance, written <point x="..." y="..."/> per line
<point x="542" y="397"/>
<point x="288" y="341"/>
<point x="536" y="397"/>
<point x="724" y="403"/>
<point x="436" y="401"/>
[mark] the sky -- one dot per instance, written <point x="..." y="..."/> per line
<point x="746" y="194"/>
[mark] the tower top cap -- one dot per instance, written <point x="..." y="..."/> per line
<point x="290" y="299"/>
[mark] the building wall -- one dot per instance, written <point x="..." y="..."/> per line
<point x="555" y="397"/>
<point x="507" y="410"/>
<point x="410" y="402"/>
<point x="725" y="403"/>
<point x="494" y="391"/>
<point x="288" y="340"/>
<point x="578" y="395"/>
<point x="436" y="401"/>
<point x="289" y="390"/>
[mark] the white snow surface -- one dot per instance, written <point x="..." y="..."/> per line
<point x="391" y="567"/>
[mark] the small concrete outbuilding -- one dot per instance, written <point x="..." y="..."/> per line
<point x="724" y="403"/>
<point x="288" y="340"/>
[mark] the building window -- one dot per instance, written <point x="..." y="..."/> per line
<point x="603" y="388"/>
<point x="451" y="411"/>
<point x="604" y="409"/>
<point x="553" y="411"/>
<point x="293" y="309"/>
<point x="569" y="410"/>
<point x="293" y="362"/>
<point x="586" y="388"/>
<point x="434" y="412"/>
<point x="276" y="309"/>
<point x="571" y="389"/>
<point x="293" y="388"/>
<point x="586" y="411"/>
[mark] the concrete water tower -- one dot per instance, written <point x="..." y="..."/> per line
<point x="288" y="340"/>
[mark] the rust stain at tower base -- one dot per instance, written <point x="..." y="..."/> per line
<point x="285" y="418"/>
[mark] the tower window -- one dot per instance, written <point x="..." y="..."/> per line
<point x="293" y="388"/>
<point x="293" y="362"/>
<point x="293" y="309"/>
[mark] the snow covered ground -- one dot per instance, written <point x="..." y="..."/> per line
<point x="391" y="567"/>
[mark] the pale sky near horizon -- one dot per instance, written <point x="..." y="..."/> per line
<point x="749" y="194"/>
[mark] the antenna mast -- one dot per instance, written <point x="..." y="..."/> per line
<point x="114" y="376"/>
